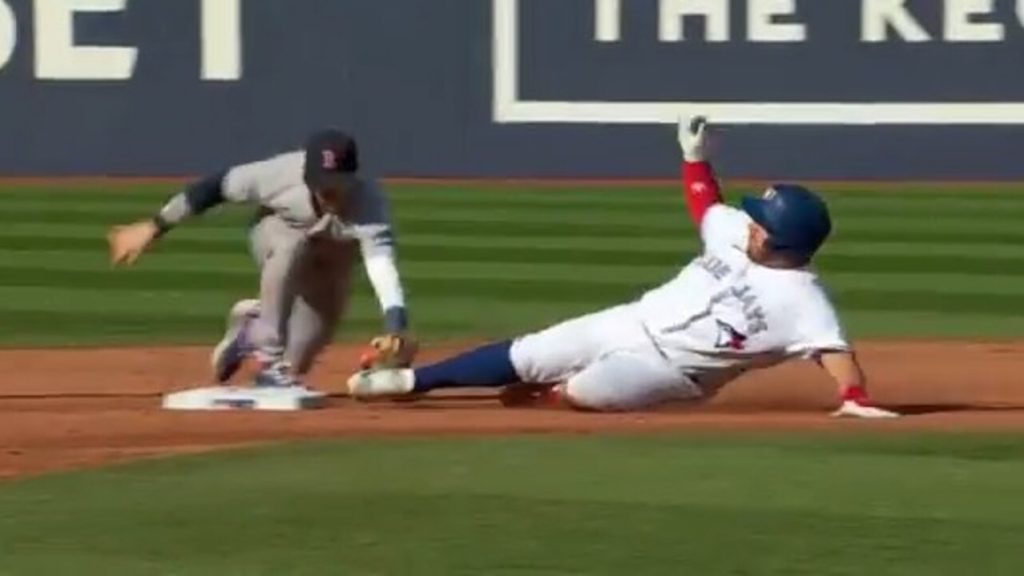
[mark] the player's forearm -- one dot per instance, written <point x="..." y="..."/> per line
<point x="853" y="394"/>
<point x="197" y="198"/>
<point x="701" y="189"/>
<point x="847" y="373"/>
<point x="387" y="285"/>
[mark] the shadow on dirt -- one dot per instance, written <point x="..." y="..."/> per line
<point x="924" y="409"/>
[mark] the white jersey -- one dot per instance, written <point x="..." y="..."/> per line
<point x="724" y="314"/>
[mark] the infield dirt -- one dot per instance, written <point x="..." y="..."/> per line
<point x="71" y="408"/>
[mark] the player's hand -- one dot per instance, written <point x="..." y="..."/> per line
<point x="861" y="409"/>
<point x="692" y="136"/>
<point x="127" y="243"/>
<point x="389" y="351"/>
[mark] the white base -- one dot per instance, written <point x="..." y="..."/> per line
<point x="244" y="398"/>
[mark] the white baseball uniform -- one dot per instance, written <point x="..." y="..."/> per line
<point x="305" y="256"/>
<point x="721" y="316"/>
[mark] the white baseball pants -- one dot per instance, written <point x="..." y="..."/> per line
<point x="606" y="360"/>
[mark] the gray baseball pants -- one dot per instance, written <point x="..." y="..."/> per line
<point x="304" y="291"/>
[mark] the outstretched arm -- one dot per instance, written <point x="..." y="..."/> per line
<point x="241" y="183"/>
<point x="700" y="187"/>
<point x="848" y="375"/>
<point x="128" y="242"/>
<point x="379" y="259"/>
<point x="396" y="347"/>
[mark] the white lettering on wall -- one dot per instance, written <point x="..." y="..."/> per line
<point x="960" y="25"/>
<point x="877" y="16"/>
<point x="221" y="39"/>
<point x="8" y="33"/>
<point x="715" y="14"/>
<point x="607" y="20"/>
<point x="761" y="24"/>
<point x="58" y="57"/>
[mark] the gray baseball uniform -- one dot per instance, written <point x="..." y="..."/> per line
<point x="305" y="255"/>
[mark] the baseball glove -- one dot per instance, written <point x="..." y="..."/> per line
<point x="389" y="351"/>
<point x="127" y="243"/>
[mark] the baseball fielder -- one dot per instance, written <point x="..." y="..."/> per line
<point x="749" y="300"/>
<point x="313" y="209"/>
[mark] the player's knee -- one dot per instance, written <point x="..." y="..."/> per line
<point x="534" y="361"/>
<point x="589" y="398"/>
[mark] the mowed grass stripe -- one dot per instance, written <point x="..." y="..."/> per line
<point x="584" y="192"/>
<point x="513" y="289"/>
<point x="532" y="192"/>
<point x="874" y="324"/>
<point x="673" y="202"/>
<point x="458" y="231"/>
<point x="665" y="205"/>
<point x="602" y="220"/>
<point x="461" y="237"/>
<point x="198" y="230"/>
<point x="210" y="303"/>
<point x="131" y="322"/>
<point x="657" y="219"/>
<point x="492" y="263"/>
<point x="628" y="273"/>
<point x="23" y="233"/>
<point x="30" y="328"/>
<point x="925" y="233"/>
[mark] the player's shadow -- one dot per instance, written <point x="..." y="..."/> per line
<point x="925" y="409"/>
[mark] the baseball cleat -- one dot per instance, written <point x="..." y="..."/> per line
<point x="854" y="409"/>
<point x="231" y="351"/>
<point x="276" y="375"/>
<point x="233" y="348"/>
<point x="383" y="383"/>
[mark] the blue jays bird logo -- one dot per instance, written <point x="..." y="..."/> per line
<point x="729" y="337"/>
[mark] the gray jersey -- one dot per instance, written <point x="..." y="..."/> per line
<point x="277" y="187"/>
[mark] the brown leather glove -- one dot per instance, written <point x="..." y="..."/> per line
<point x="127" y="243"/>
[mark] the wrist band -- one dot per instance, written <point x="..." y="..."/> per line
<point x="162" y="226"/>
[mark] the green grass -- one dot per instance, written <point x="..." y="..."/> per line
<point x="913" y="505"/>
<point x="488" y="261"/>
<point x="496" y="260"/>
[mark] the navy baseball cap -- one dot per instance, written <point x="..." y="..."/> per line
<point x="797" y="220"/>
<point x="331" y="160"/>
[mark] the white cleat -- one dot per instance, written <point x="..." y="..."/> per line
<point x="853" y="409"/>
<point x="234" y="347"/>
<point x="382" y="383"/>
<point x="277" y="375"/>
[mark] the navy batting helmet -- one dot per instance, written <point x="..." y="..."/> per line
<point x="796" y="219"/>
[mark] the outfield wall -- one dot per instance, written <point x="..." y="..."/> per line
<point x="834" y="89"/>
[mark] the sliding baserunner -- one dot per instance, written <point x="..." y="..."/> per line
<point x="749" y="300"/>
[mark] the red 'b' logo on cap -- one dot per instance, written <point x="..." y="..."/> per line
<point x="330" y="161"/>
